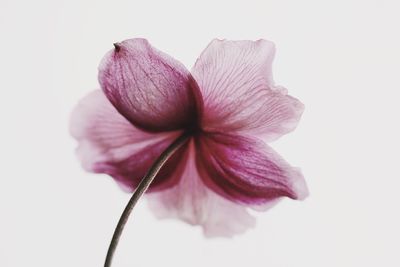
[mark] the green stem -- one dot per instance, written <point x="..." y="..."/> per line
<point x="142" y="187"/>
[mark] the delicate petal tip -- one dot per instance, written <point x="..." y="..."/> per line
<point x="148" y="87"/>
<point x="265" y="50"/>
<point x="299" y="185"/>
<point x="287" y="111"/>
<point x="236" y="220"/>
<point x="266" y="206"/>
<point x="265" y="44"/>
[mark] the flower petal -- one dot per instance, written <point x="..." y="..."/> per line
<point x="191" y="201"/>
<point x="235" y="78"/>
<point x="246" y="170"/>
<point x="152" y="90"/>
<point x="109" y="143"/>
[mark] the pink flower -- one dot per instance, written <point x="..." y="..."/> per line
<point x="229" y="103"/>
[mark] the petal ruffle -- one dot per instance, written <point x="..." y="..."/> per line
<point x="246" y="170"/>
<point x="109" y="143"/>
<point x="191" y="201"/>
<point x="151" y="89"/>
<point x="235" y="79"/>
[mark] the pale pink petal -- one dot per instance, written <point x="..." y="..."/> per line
<point x="191" y="201"/>
<point x="109" y="143"/>
<point x="247" y="171"/>
<point x="151" y="89"/>
<point x="265" y="206"/>
<point x="235" y="78"/>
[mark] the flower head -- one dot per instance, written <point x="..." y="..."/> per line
<point x="230" y="105"/>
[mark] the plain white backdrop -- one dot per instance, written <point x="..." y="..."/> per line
<point x="340" y="58"/>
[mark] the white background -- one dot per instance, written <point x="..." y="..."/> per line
<point x="340" y="58"/>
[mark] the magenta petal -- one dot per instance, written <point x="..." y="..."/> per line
<point x="246" y="170"/>
<point x="191" y="201"/>
<point x="131" y="170"/>
<point x="235" y="78"/>
<point x="151" y="89"/>
<point x="109" y="143"/>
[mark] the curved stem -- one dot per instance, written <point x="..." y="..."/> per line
<point x="142" y="187"/>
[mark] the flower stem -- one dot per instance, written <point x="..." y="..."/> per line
<point x="142" y="187"/>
